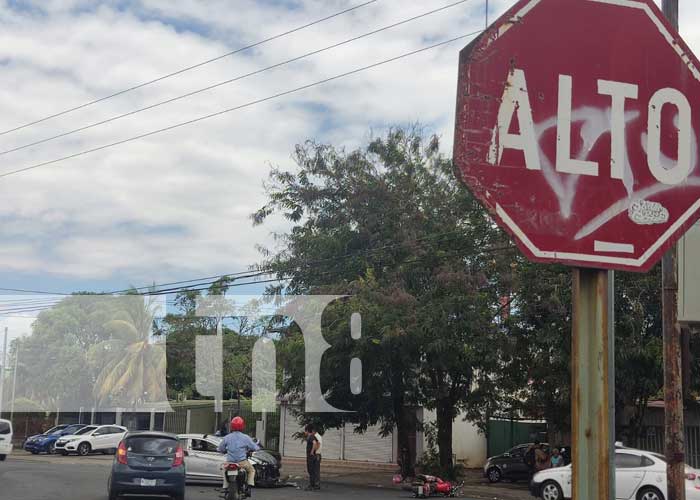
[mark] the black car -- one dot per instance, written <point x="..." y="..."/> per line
<point x="510" y="465"/>
<point x="148" y="463"/>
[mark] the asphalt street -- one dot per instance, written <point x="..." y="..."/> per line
<point x="86" y="479"/>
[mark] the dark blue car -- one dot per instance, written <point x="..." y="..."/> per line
<point x="148" y="463"/>
<point x="46" y="442"/>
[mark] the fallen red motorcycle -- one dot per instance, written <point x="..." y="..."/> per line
<point x="425" y="486"/>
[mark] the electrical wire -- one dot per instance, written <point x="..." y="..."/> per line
<point x="231" y="80"/>
<point x="239" y="107"/>
<point x="188" y="68"/>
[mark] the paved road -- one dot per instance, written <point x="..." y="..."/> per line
<point x="86" y="479"/>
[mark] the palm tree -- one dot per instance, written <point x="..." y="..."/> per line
<point x="134" y="372"/>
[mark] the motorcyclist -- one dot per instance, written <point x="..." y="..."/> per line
<point x="236" y="446"/>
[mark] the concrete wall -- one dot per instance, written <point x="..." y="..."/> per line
<point x="468" y="444"/>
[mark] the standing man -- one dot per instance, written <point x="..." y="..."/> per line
<point x="313" y="458"/>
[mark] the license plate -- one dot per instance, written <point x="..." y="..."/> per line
<point x="148" y="482"/>
<point x="232" y="473"/>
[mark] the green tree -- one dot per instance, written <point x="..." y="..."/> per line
<point x="536" y="350"/>
<point x="390" y="225"/>
<point x="132" y="360"/>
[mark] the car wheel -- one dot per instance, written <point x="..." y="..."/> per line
<point x="551" y="491"/>
<point x="494" y="474"/>
<point x="84" y="449"/>
<point x="52" y="449"/>
<point x="649" y="493"/>
<point x="34" y="452"/>
<point x="2" y="458"/>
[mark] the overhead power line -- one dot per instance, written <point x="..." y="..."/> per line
<point x="209" y="280"/>
<point x="239" y="107"/>
<point x="189" y="68"/>
<point x="232" y="80"/>
<point x="282" y="276"/>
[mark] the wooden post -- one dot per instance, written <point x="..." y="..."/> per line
<point x="674" y="441"/>
<point x="593" y="476"/>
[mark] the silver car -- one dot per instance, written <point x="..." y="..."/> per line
<point x="204" y="462"/>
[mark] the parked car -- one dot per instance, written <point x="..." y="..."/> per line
<point x="104" y="438"/>
<point x="204" y="461"/>
<point x="46" y="443"/>
<point x="510" y="465"/>
<point x="639" y="475"/>
<point x="5" y="439"/>
<point x="148" y="463"/>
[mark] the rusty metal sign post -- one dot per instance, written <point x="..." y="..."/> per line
<point x="674" y="427"/>
<point x="577" y="129"/>
<point x="593" y="382"/>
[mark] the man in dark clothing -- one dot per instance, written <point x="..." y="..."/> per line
<point x="313" y="458"/>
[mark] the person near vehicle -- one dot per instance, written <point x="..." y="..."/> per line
<point x="541" y="458"/>
<point x="223" y="429"/>
<point x="557" y="459"/>
<point x="313" y="457"/>
<point x="236" y="446"/>
<point x="530" y="458"/>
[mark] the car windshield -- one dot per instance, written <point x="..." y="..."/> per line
<point x="85" y="430"/>
<point x="72" y="429"/>
<point x="151" y="445"/>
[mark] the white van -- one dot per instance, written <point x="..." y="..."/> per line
<point x="5" y="439"/>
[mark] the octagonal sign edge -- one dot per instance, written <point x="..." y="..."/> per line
<point x="577" y="128"/>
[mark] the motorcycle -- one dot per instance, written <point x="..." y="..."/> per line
<point x="425" y="486"/>
<point x="236" y="480"/>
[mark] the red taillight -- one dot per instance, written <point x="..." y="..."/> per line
<point x="179" y="457"/>
<point x="121" y="453"/>
<point x="231" y="466"/>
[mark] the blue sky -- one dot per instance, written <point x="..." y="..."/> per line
<point x="176" y="206"/>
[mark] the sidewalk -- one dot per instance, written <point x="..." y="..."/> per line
<point x="372" y="476"/>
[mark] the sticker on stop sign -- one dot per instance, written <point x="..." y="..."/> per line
<point x="577" y="127"/>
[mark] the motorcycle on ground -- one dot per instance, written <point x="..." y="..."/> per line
<point x="425" y="486"/>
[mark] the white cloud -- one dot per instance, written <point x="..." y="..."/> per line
<point x="177" y="204"/>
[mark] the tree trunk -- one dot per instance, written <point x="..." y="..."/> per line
<point x="445" y="419"/>
<point x="403" y="431"/>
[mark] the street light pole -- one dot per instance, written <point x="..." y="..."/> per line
<point x="2" y="372"/>
<point x="14" y="383"/>
<point x="674" y="436"/>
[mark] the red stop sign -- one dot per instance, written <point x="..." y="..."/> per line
<point x="577" y="127"/>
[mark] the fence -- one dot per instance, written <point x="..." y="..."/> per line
<point x="190" y="417"/>
<point x="652" y="439"/>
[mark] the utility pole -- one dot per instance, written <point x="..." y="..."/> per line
<point x="2" y="371"/>
<point x="14" y="383"/>
<point x="674" y="441"/>
<point x="486" y="15"/>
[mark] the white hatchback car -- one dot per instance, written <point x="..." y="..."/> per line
<point x="104" y="438"/>
<point x="639" y="475"/>
<point x="5" y="439"/>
